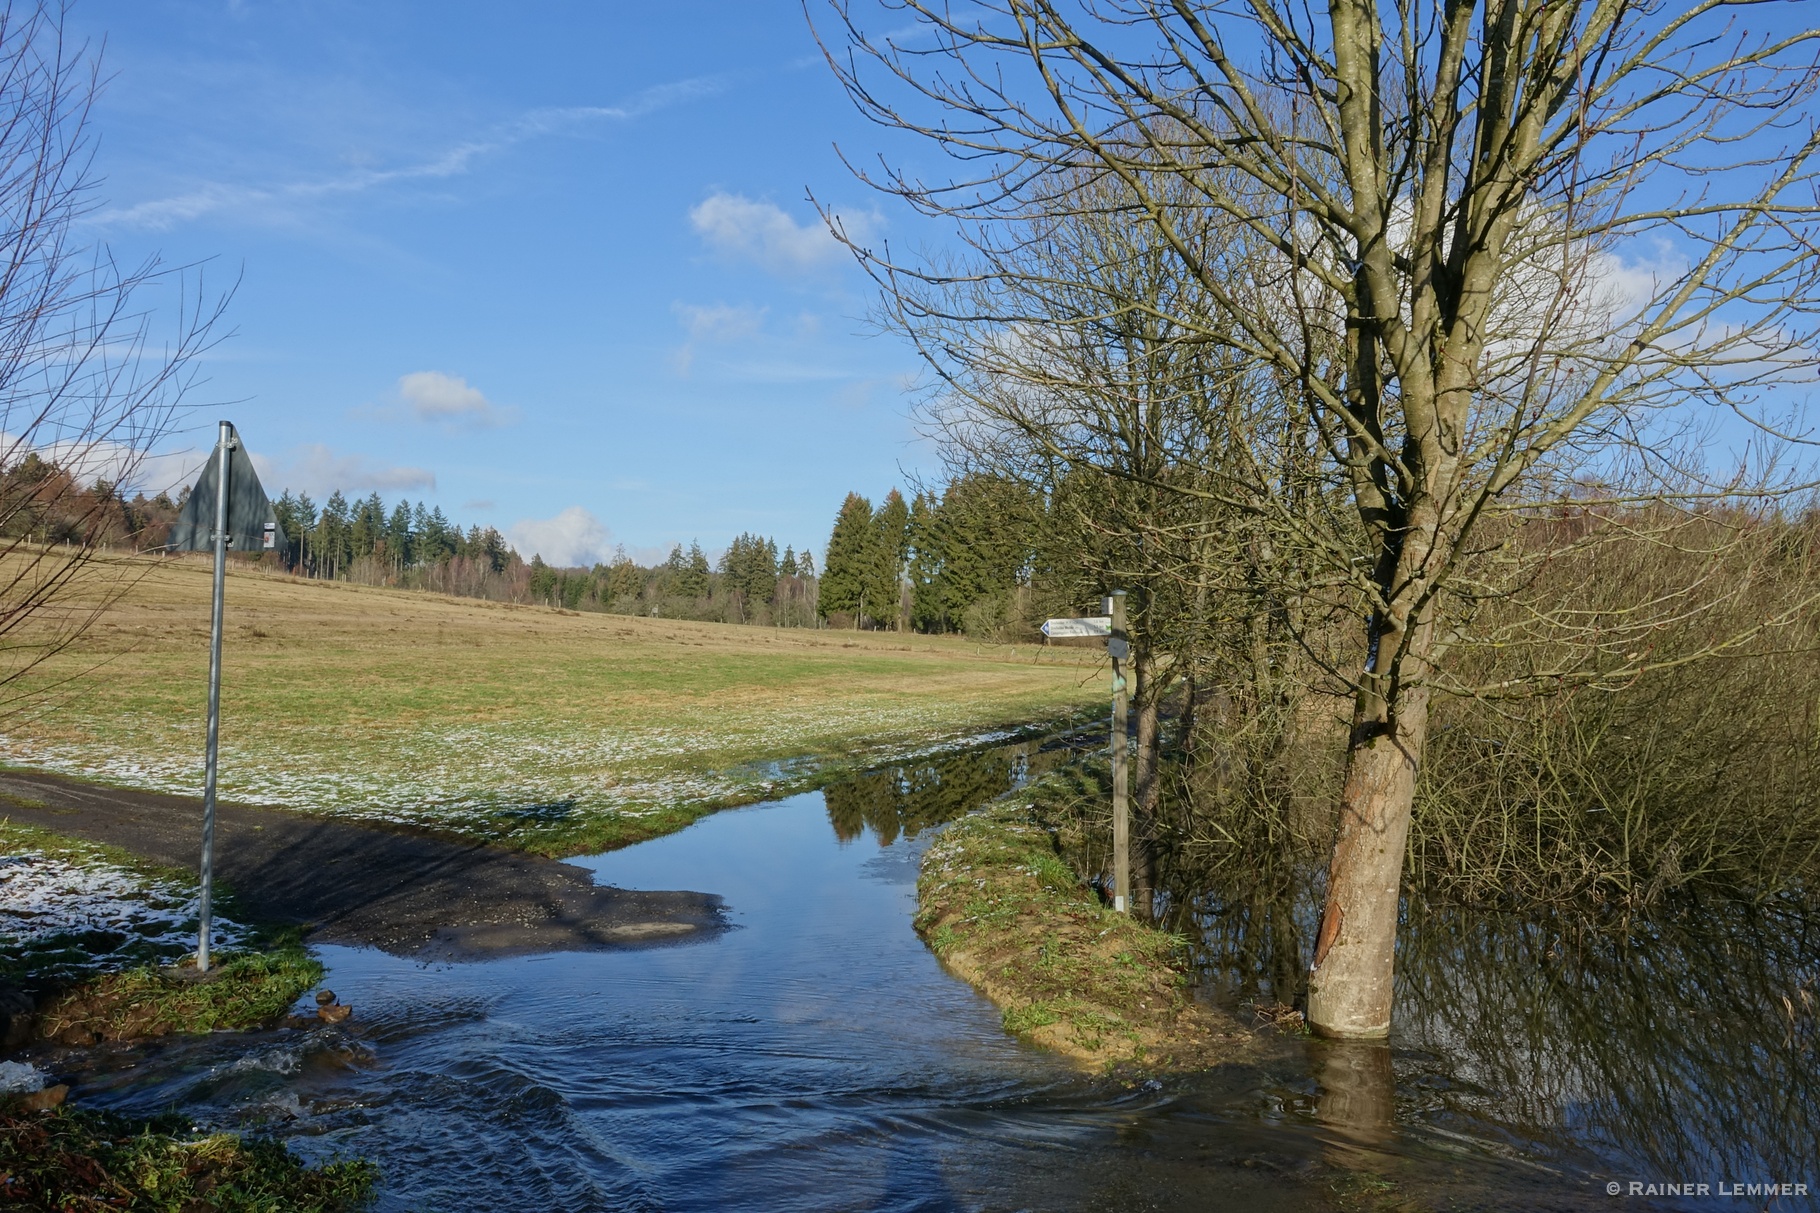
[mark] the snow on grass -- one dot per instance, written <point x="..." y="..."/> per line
<point x="68" y="917"/>
<point x="480" y="778"/>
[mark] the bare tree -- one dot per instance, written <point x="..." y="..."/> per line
<point x="1060" y="361"/>
<point x="88" y="383"/>
<point x="1513" y="235"/>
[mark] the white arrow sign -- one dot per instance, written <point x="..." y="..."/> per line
<point x="1093" y="625"/>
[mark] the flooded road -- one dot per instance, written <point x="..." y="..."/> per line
<point x="817" y="1057"/>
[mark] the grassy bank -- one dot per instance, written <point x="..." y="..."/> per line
<point x="1002" y="910"/>
<point x="70" y="1158"/>
<point x="94" y="939"/>
<point x="553" y="729"/>
<point x="91" y="948"/>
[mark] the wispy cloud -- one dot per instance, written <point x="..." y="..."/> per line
<point x="218" y="196"/>
<point x="764" y="233"/>
<point x="315" y="468"/>
<point x="720" y="321"/>
<point x="132" y="469"/>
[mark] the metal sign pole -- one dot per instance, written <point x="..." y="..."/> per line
<point x="1121" y="813"/>
<point x="223" y="445"/>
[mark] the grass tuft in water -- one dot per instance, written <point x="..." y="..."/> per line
<point x="75" y="1158"/>
<point x="244" y="991"/>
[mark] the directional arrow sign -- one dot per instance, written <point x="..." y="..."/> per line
<point x="1093" y="625"/>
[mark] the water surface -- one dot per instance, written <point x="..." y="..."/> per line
<point x="817" y="1057"/>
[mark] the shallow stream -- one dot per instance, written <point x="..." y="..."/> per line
<point x="817" y="1057"/>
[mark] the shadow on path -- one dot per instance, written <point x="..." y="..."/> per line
<point x="408" y="893"/>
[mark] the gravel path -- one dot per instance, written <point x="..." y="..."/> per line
<point x="408" y="893"/>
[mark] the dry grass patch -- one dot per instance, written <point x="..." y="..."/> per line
<point x="1006" y="914"/>
<point x="551" y="729"/>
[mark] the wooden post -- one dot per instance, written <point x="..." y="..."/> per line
<point x="1119" y="648"/>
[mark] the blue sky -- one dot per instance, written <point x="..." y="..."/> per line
<point x="548" y="265"/>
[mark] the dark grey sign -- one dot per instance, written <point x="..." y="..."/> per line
<point x="252" y="523"/>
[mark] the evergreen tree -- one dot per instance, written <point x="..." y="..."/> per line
<point x="850" y="553"/>
<point x="788" y="568"/>
<point x="693" y="581"/>
<point x="928" y="610"/>
<point x="750" y="568"/>
<point x="332" y="535"/>
<point x="398" y="536"/>
<point x="890" y="548"/>
<point x="986" y="530"/>
<point x="543" y="582"/>
<point x="496" y="551"/>
<point x="438" y="538"/>
<point x="624" y="580"/>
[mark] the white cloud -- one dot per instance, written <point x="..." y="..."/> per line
<point x="764" y="233"/>
<point x="435" y="396"/>
<point x="318" y="470"/>
<point x="574" y="537"/>
<point x="720" y="321"/>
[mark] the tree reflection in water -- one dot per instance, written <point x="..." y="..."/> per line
<point x="1683" y="1043"/>
<point x="903" y="801"/>
<point x="1686" y="1041"/>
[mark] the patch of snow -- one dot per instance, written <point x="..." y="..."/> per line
<point x="18" y="1078"/>
<point x="45" y="900"/>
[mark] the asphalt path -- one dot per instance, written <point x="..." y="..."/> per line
<point x="404" y="891"/>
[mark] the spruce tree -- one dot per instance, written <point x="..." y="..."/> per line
<point x="928" y="612"/>
<point x="890" y="547"/>
<point x="850" y="556"/>
<point x="695" y="582"/>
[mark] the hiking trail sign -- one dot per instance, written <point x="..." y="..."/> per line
<point x="1099" y="626"/>
<point x="226" y="509"/>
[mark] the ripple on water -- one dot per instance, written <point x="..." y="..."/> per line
<point x="815" y="1058"/>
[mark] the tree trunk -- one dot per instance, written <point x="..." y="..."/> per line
<point x="1350" y="984"/>
<point x="1144" y="815"/>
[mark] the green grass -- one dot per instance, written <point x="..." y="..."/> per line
<point x="555" y="730"/>
<point x="1000" y="907"/>
<point x="71" y="1159"/>
<point x="116" y="985"/>
<point x="245" y="990"/>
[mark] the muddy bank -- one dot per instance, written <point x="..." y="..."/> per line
<point x="407" y="893"/>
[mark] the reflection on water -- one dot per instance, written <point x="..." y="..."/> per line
<point x="1679" y="1046"/>
<point x="817" y="1056"/>
<point x="1685" y="1044"/>
<point x="903" y="801"/>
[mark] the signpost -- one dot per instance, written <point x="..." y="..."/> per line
<point x="1111" y="626"/>
<point x="1068" y="629"/>
<point x="227" y="508"/>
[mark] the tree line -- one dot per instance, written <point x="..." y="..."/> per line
<point x="751" y="583"/>
<point x="961" y="558"/>
<point x="416" y="545"/>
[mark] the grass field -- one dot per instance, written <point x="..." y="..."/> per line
<point x="554" y="730"/>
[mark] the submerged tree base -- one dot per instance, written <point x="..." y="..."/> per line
<point x="1000" y="908"/>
